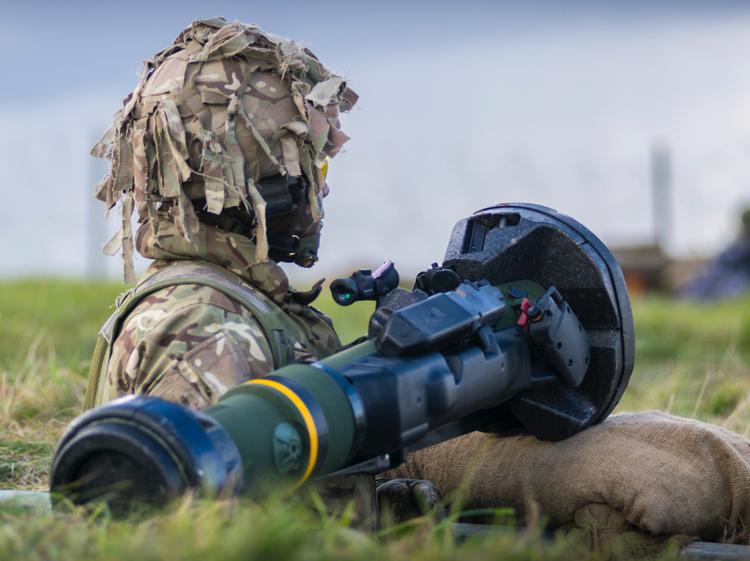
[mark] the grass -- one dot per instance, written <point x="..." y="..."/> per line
<point x="691" y="360"/>
<point x="279" y="530"/>
<point x="56" y="319"/>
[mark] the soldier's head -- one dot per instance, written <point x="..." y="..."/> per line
<point x="230" y="127"/>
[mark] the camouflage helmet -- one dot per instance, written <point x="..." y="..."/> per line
<point x="223" y="108"/>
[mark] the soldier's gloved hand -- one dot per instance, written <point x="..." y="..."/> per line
<point x="402" y="499"/>
<point x="657" y="474"/>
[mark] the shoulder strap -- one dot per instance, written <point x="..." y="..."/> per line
<point x="101" y="352"/>
<point x="280" y="330"/>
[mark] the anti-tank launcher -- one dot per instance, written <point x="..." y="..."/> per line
<point x="526" y="326"/>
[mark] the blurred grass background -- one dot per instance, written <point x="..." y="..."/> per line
<point x="691" y="359"/>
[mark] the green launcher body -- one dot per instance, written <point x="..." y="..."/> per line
<point x="362" y="409"/>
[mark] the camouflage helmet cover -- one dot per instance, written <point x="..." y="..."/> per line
<point x="225" y="106"/>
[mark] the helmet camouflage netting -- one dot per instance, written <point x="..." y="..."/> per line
<point x="225" y="106"/>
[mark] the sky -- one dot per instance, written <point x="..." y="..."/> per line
<point x="462" y="105"/>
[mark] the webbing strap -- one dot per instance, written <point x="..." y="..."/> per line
<point x="101" y="351"/>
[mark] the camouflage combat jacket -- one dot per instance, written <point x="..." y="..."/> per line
<point x="190" y="342"/>
<point x="190" y="330"/>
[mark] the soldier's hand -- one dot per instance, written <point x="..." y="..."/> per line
<point x="402" y="499"/>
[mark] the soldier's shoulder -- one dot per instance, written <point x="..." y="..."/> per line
<point x="189" y="343"/>
<point x="186" y="312"/>
<point x="174" y="298"/>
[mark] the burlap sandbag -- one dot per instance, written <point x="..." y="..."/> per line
<point x="666" y="475"/>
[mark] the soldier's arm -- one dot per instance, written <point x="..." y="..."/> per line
<point x="188" y="344"/>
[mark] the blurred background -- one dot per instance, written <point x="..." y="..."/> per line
<point x="633" y="117"/>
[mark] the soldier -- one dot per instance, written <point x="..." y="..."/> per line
<point x="222" y="149"/>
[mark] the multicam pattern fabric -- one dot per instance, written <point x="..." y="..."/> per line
<point x="225" y="106"/>
<point x="191" y="343"/>
<point x="234" y="252"/>
<point x="188" y="344"/>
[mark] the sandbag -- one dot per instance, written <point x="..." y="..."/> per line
<point x="667" y="476"/>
